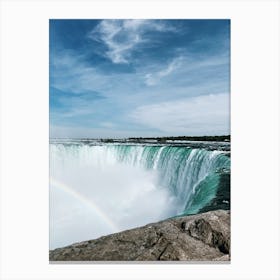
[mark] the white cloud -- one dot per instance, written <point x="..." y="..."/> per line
<point x="72" y="74"/>
<point x="207" y="114"/>
<point x="154" y="78"/>
<point x="122" y="36"/>
<point x="184" y="67"/>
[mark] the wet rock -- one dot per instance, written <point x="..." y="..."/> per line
<point x="201" y="237"/>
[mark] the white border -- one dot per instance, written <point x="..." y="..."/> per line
<point x="255" y="137"/>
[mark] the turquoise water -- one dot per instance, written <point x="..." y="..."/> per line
<point x="190" y="175"/>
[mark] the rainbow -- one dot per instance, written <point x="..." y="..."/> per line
<point x="85" y="201"/>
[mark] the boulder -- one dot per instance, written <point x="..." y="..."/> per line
<point x="201" y="237"/>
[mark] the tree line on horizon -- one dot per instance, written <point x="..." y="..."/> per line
<point x="180" y="138"/>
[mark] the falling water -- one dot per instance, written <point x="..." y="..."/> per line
<point x="103" y="188"/>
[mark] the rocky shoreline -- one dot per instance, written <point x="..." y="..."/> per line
<point x="200" y="237"/>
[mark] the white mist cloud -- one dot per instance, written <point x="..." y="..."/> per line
<point x="90" y="181"/>
<point x="191" y="116"/>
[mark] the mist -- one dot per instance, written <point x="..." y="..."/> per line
<point x="93" y="194"/>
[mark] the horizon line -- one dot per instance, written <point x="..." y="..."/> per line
<point x="142" y="137"/>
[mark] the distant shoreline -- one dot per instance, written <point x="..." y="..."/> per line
<point x="211" y="143"/>
<point x="215" y="138"/>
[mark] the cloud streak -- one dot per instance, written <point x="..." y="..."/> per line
<point x="121" y="37"/>
<point x="154" y="78"/>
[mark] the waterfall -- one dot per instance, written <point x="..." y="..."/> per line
<point x="131" y="184"/>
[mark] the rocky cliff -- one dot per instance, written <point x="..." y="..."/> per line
<point x="201" y="237"/>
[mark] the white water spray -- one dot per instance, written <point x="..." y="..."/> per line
<point x="101" y="189"/>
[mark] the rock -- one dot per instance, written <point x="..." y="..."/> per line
<point x="201" y="237"/>
<point x="222" y="258"/>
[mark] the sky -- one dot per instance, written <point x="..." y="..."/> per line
<point x="139" y="78"/>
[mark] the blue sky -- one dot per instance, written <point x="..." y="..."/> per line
<point x="124" y="78"/>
